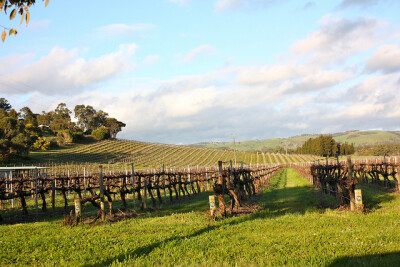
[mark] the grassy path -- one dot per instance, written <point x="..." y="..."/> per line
<point x="290" y="229"/>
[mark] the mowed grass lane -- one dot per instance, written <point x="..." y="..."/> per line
<point x="290" y="229"/>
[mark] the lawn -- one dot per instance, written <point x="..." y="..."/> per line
<point x="291" y="228"/>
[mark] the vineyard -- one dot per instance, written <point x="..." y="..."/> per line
<point x="117" y="155"/>
<point x="288" y="228"/>
<point x="339" y="178"/>
<point x="238" y="183"/>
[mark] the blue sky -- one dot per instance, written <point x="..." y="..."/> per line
<point x="186" y="71"/>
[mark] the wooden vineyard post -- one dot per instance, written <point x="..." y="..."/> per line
<point x="103" y="214"/>
<point x="11" y="185"/>
<point x="165" y="191"/>
<point x="188" y="179"/>
<point x="36" y="190"/>
<point x="84" y="181"/>
<point x="231" y="172"/>
<point x="145" y="192"/>
<point x="133" y="185"/>
<point x="220" y="190"/>
<point x="53" y="194"/>
<point x="350" y="178"/>
<point x="358" y="199"/>
<point x="213" y="208"/>
<point x="207" y="179"/>
<point x="78" y="209"/>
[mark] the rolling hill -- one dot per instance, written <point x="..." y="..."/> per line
<point x="119" y="154"/>
<point x="359" y="138"/>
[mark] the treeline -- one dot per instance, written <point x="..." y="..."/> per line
<point x="325" y="145"/>
<point x="379" y="150"/>
<point x="24" y="131"/>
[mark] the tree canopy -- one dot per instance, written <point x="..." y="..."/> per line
<point x="23" y="131"/>
<point x="325" y="145"/>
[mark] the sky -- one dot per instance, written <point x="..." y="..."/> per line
<point x="188" y="71"/>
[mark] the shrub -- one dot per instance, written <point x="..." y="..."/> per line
<point x="102" y="133"/>
<point x="41" y="144"/>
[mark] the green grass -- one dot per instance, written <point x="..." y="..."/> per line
<point x="290" y="229"/>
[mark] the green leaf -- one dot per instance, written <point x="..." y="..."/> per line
<point x="11" y="32"/>
<point x="13" y="13"/>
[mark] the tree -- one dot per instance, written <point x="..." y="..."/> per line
<point x="99" y="119"/>
<point x="13" y="138"/>
<point x="4" y="105"/>
<point x="45" y="118"/>
<point x="85" y="115"/>
<point x="114" y="126"/>
<point x="18" y="6"/>
<point x="28" y="116"/>
<point x="62" y="118"/>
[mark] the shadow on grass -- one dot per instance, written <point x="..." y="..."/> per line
<point x="385" y="259"/>
<point x="194" y="202"/>
<point x="374" y="196"/>
<point x="277" y="200"/>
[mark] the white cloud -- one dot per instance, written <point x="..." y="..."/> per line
<point x="358" y="3"/>
<point x="193" y="54"/>
<point x="181" y="2"/>
<point x="62" y="71"/>
<point x="338" y="39"/>
<point x="221" y="5"/>
<point x="312" y="89"/>
<point x="386" y="58"/>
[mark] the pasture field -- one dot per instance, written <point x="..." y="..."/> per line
<point x="295" y="225"/>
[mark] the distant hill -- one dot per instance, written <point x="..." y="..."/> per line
<point x="359" y="138"/>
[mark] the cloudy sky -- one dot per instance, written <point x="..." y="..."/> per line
<point x="187" y="71"/>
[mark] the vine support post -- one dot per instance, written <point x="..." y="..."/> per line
<point x="350" y="178"/>
<point x="145" y="192"/>
<point x="78" y="209"/>
<point x="103" y="214"/>
<point x="231" y="172"/>
<point x="133" y="184"/>
<point x="53" y="194"/>
<point x="165" y="192"/>
<point x="36" y="190"/>
<point x="84" y="181"/>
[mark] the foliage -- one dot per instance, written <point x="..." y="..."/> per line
<point x="89" y="120"/>
<point x="18" y="6"/>
<point x="325" y="145"/>
<point x="102" y="133"/>
<point x="379" y="150"/>
<point x="20" y="131"/>
<point x="65" y="137"/>
<point x="15" y="139"/>
<point x="4" y="105"/>
<point x="41" y="144"/>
